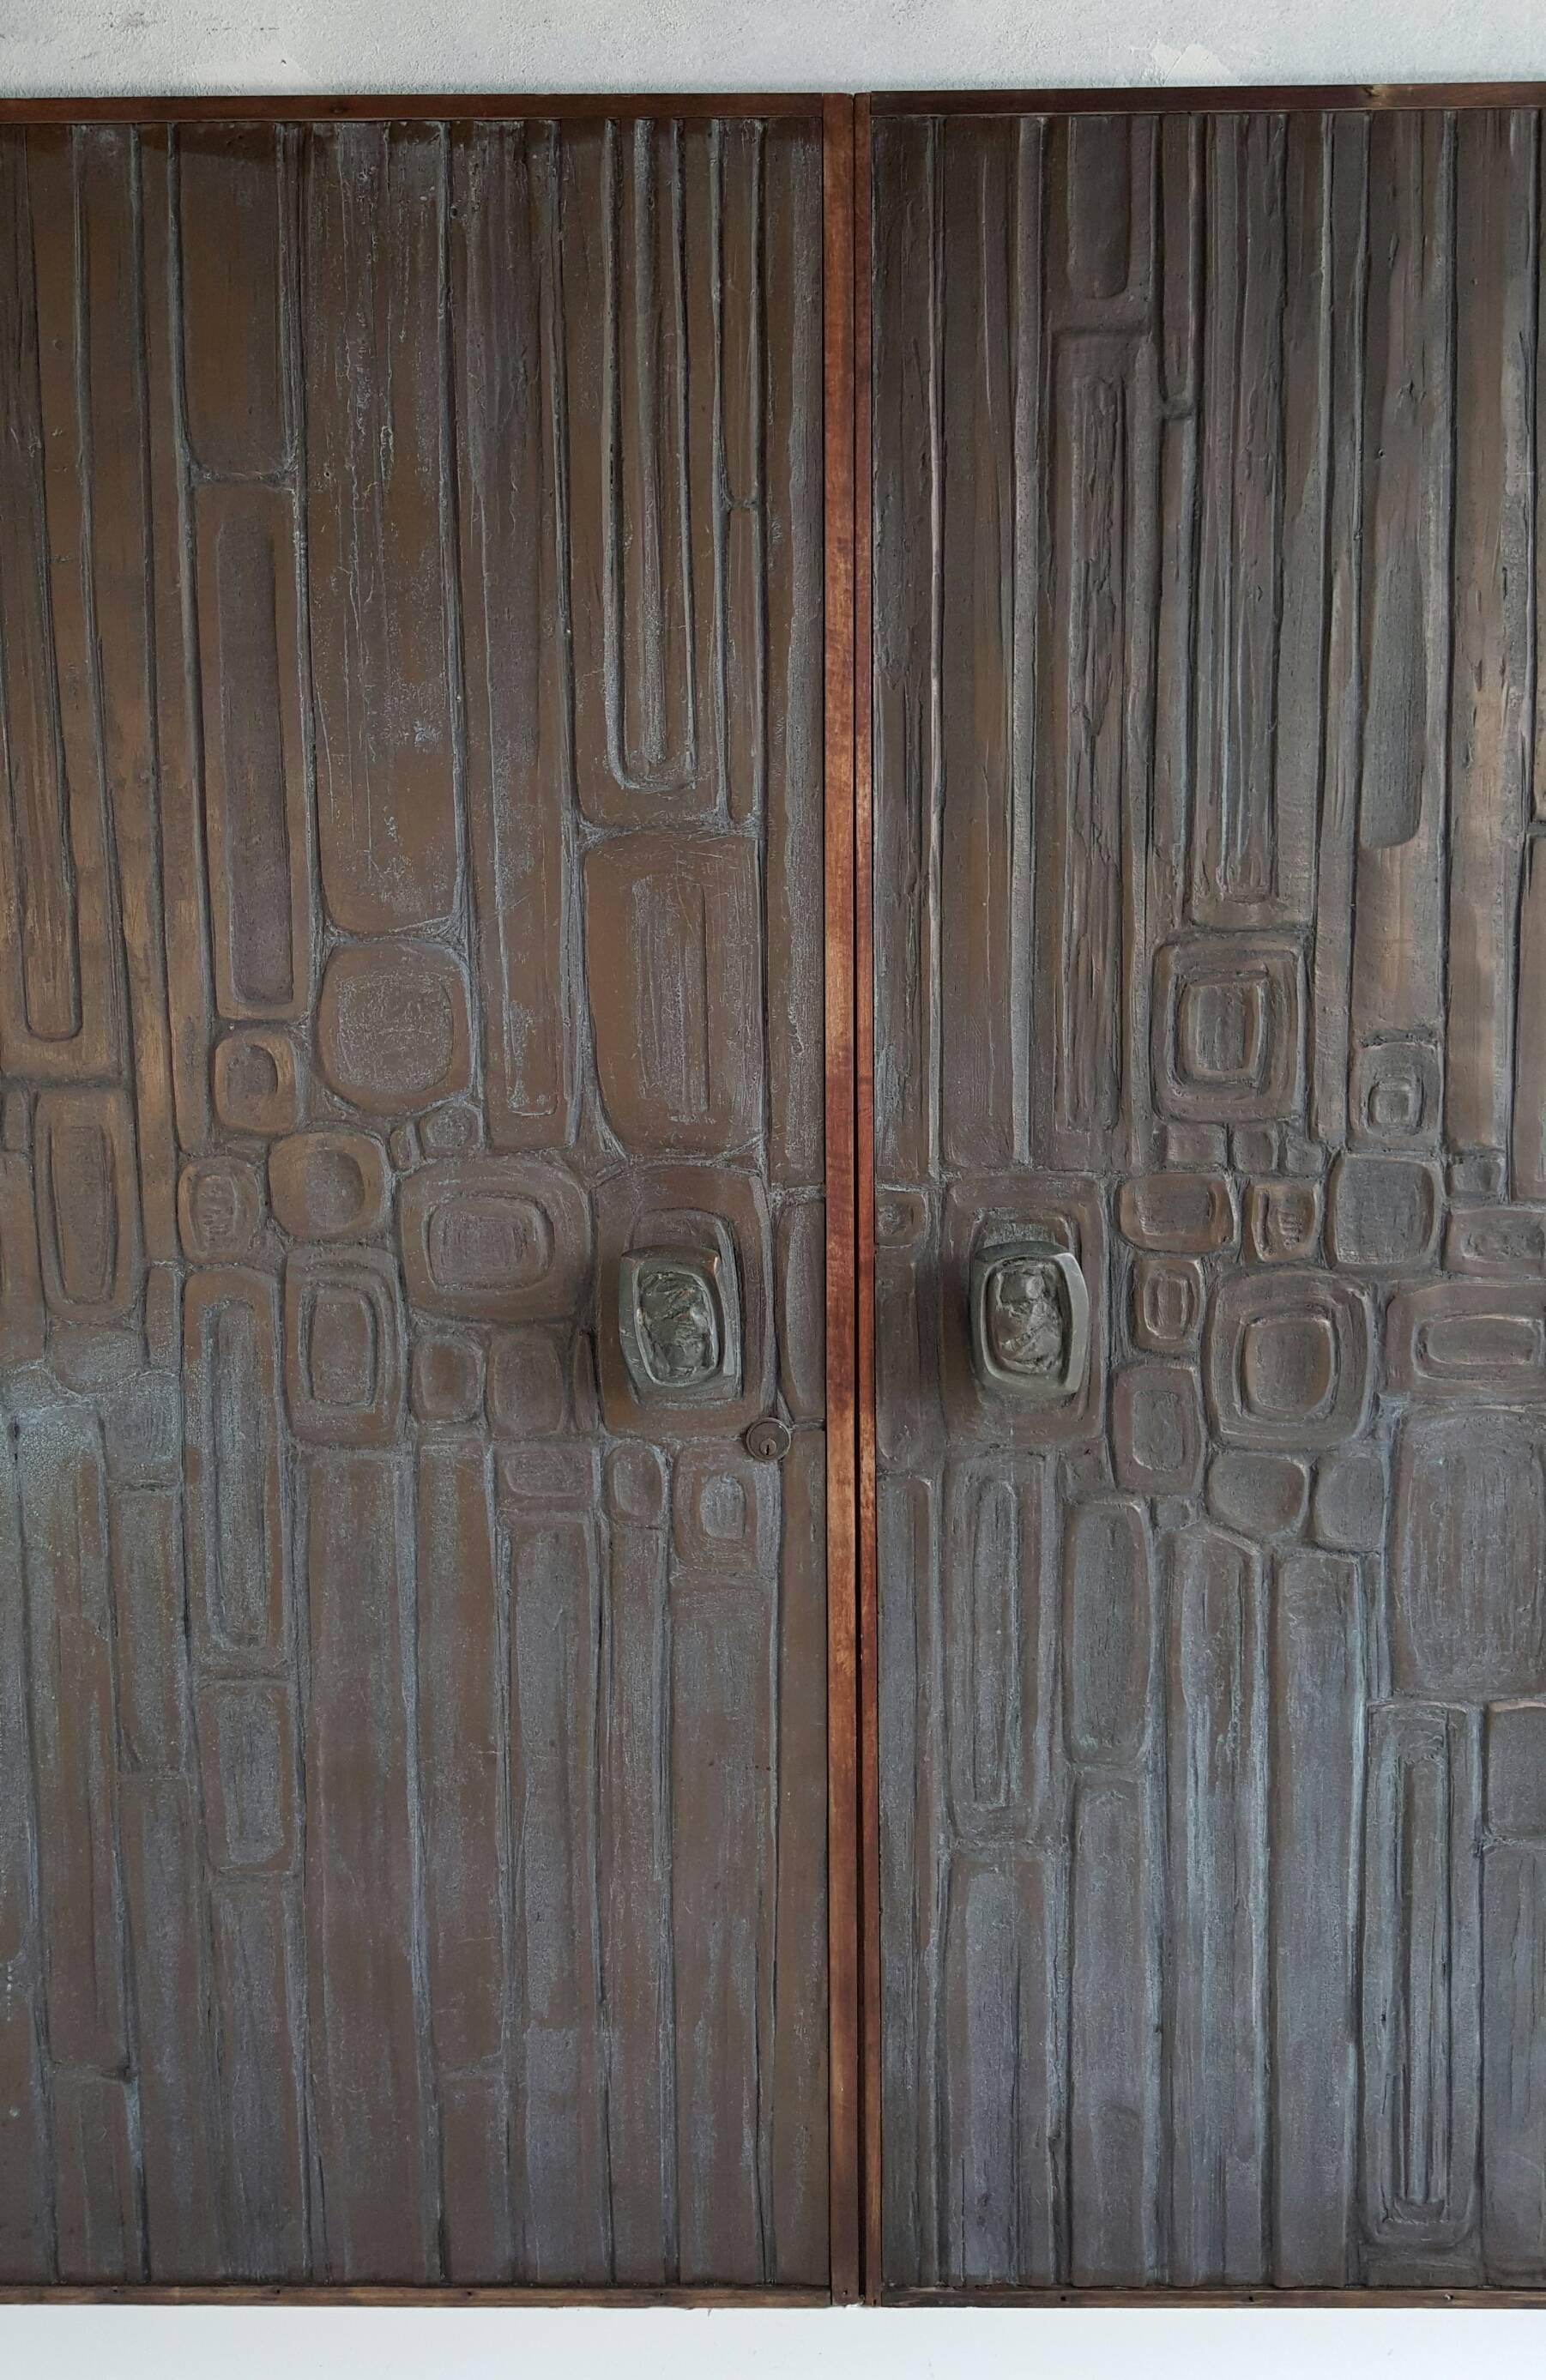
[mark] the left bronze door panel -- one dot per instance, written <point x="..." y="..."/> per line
<point x="412" y="1738"/>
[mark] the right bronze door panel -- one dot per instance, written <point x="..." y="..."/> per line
<point x="1210" y="951"/>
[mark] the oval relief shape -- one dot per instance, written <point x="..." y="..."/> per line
<point x="329" y="1186"/>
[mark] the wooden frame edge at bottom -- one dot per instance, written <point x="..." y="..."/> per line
<point x="451" y="2296"/>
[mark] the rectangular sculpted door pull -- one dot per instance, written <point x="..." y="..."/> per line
<point x="1029" y="1321"/>
<point x="679" y="1323"/>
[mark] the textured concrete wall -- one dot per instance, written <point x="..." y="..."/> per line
<point x="296" y="45"/>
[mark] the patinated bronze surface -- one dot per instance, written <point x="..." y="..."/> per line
<point x="412" y="1738"/>
<point x="1211" y="944"/>
<point x="438" y="1711"/>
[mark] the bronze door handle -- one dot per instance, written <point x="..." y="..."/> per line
<point x="1029" y="1321"/>
<point x="679" y="1323"/>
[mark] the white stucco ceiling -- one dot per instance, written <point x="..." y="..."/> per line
<point x="106" y="46"/>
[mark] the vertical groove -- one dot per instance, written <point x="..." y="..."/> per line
<point x="843" y="1681"/>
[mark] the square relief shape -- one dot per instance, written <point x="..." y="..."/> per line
<point x="1283" y="1221"/>
<point x="1168" y="1297"/>
<point x="1394" y="1094"/>
<point x="1287" y="1357"/>
<point x="1228" y="1029"/>
<point x="1383" y="1211"/>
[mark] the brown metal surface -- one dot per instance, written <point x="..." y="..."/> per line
<point x="1209" y="944"/>
<point x="360" y="691"/>
<point x="413" y="1761"/>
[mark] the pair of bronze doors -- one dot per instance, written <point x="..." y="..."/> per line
<point x="700" y="1588"/>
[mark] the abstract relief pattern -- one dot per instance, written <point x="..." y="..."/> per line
<point x="412" y="1747"/>
<point x="1211" y="945"/>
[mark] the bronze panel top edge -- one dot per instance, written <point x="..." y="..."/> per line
<point x="311" y="107"/>
<point x="237" y="107"/>
<point x="1217" y="98"/>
